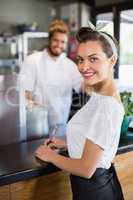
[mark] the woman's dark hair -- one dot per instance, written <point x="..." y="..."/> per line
<point x="86" y="34"/>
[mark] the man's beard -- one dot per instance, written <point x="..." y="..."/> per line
<point x="54" y="53"/>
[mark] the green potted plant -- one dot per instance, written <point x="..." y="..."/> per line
<point x="126" y="98"/>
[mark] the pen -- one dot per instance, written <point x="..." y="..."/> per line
<point x="52" y="134"/>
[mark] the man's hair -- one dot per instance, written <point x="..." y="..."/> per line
<point x="58" y="26"/>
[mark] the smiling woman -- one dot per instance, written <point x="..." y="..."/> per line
<point x="92" y="138"/>
<point x="96" y="63"/>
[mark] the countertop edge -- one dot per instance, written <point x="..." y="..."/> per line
<point x="27" y="174"/>
<point x="125" y="149"/>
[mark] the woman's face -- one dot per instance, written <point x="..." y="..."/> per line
<point x="93" y="63"/>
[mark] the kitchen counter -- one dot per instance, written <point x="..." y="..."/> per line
<point x="126" y="144"/>
<point x="17" y="161"/>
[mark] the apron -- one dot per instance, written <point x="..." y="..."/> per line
<point x="103" y="185"/>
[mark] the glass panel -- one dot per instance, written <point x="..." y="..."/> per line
<point x="36" y="44"/>
<point x="107" y="20"/>
<point x="126" y="50"/>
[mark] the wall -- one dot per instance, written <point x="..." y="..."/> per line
<point x="25" y="11"/>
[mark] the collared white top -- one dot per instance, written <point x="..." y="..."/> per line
<point x="51" y="82"/>
<point x="99" y="121"/>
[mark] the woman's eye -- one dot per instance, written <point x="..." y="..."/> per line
<point x="93" y="60"/>
<point x="79" y="61"/>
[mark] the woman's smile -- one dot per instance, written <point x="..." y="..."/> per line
<point x="88" y="74"/>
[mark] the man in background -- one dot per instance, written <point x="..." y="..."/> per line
<point x="50" y="77"/>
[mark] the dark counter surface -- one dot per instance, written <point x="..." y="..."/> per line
<point x="17" y="161"/>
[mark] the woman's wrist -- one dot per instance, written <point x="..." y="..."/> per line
<point x="53" y="157"/>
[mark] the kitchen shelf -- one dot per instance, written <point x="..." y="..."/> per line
<point x="14" y="49"/>
<point x="8" y="40"/>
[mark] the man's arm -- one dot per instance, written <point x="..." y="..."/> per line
<point x="28" y="77"/>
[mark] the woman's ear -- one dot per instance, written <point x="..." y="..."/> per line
<point x="113" y="60"/>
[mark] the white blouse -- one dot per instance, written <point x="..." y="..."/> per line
<point x="99" y="121"/>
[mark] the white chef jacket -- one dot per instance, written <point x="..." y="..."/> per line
<point x="99" y="121"/>
<point x="51" y="82"/>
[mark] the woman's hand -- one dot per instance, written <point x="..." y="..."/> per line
<point x="45" y="153"/>
<point x="55" y="143"/>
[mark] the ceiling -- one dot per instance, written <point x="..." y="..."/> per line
<point x="89" y="2"/>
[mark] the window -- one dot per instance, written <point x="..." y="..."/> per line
<point x="107" y="20"/>
<point x="126" y="50"/>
